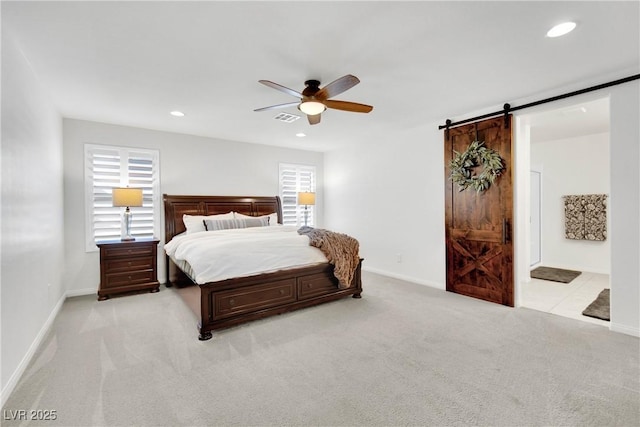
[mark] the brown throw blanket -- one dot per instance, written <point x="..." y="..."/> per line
<point x="340" y="249"/>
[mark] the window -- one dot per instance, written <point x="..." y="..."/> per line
<point x="293" y="179"/>
<point x="107" y="167"/>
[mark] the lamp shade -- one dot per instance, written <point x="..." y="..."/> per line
<point x="127" y="197"/>
<point x="306" y="198"/>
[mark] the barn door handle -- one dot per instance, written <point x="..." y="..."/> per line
<point x="505" y="231"/>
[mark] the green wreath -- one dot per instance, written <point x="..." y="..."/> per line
<point x="477" y="154"/>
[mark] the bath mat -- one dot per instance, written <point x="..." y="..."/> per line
<point x="554" y="274"/>
<point x="600" y="307"/>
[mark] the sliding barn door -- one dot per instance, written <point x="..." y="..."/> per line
<point x="479" y="224"/>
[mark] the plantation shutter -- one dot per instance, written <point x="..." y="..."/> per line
<point x="141" y="172"/>
<point x="108" y="167"/>
<point x="294" y="179"/>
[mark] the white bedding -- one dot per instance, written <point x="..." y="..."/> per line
<point x="224" y="254"/>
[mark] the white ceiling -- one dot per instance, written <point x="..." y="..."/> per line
<point x="132" y="63"/>
<point x="570" y="121"/>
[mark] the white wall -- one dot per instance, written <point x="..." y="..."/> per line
<point x="389" y="193"/>
<point x="32" y="213"/>
<point x="625" y="208"/>
<point x="188" y="165"/>
<point x="577" y="165"/>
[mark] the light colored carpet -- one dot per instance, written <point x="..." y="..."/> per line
<point x="404" y="354"/>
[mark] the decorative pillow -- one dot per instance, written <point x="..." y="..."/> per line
<point x="273" y="218"/>
<point x="259" y="221"/>
<point x="227" y="224"/>
<point x="220" y="224"/>
<point x="194" y="223"/>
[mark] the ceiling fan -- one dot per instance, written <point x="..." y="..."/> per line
<point x="313" y="100"/>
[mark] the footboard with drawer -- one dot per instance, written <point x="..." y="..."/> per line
<point x="234" y="301"/>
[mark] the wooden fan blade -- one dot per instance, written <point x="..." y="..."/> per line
<point x="336" y="87"/>
<point x="314" y="120"/>
<point x="281" y="88"/>
<point x="273" y="107"/>
<point x="348" y="106"/>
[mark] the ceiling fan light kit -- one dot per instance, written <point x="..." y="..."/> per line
<point x="314" y="100"/>
<point x="311" y="107"/>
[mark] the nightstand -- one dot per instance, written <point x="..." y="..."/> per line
<point x="128" y="266"/>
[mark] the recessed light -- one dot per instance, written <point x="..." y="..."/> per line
<point x="561" y="29"/>
<point x="177" y="113"/>
<point x="301" y="135"/>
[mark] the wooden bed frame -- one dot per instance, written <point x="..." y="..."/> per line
<point x="234" y="301"/>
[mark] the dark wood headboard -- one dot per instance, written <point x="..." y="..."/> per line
<point x="176" y="206"/>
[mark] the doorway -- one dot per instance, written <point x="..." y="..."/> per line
<point x="570" y="142"/>
<point x="535" y="221"/>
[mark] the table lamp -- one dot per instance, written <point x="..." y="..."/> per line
<point x="127" y="197"/>
<point x="306" y="198"/>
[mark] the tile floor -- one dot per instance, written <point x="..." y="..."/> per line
<point x="565" y="299"/>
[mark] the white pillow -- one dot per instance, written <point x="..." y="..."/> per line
<point x="195" y="223"/>
<point x="273" y="218"/>
<point x="239" y="215"/>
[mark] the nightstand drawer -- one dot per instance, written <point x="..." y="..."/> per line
<point x="130" y="251"/>
<point x="128" y="278"/>
<point x="133" y="264"/>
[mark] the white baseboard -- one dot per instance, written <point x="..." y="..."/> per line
<point x="22" y="366"/>
<point x="405" y="278"/>
<point x="17" y="374"/>
<point x="624" y="329"/>
<point x="81" y="292"/>
<point x="579" y="268"/>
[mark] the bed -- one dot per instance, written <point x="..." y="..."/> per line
<point x="233" y="301"/>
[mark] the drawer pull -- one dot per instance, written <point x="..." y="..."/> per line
<point x="281" y="291"/>
<point x="232" y="301"/>
<point x="129" y="263"/>
<point x="309" y="285"/>
<point x="129" y="251"/>
<point x="129" y="277"/>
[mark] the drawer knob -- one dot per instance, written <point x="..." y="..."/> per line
<point x="129" y="263"/>
<point x="232" y="301"/>
<point x="129" y="277"/>
<point x="309" y="285"/>
<point x="281" y="291"/>
<point x="129" y="251"/>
